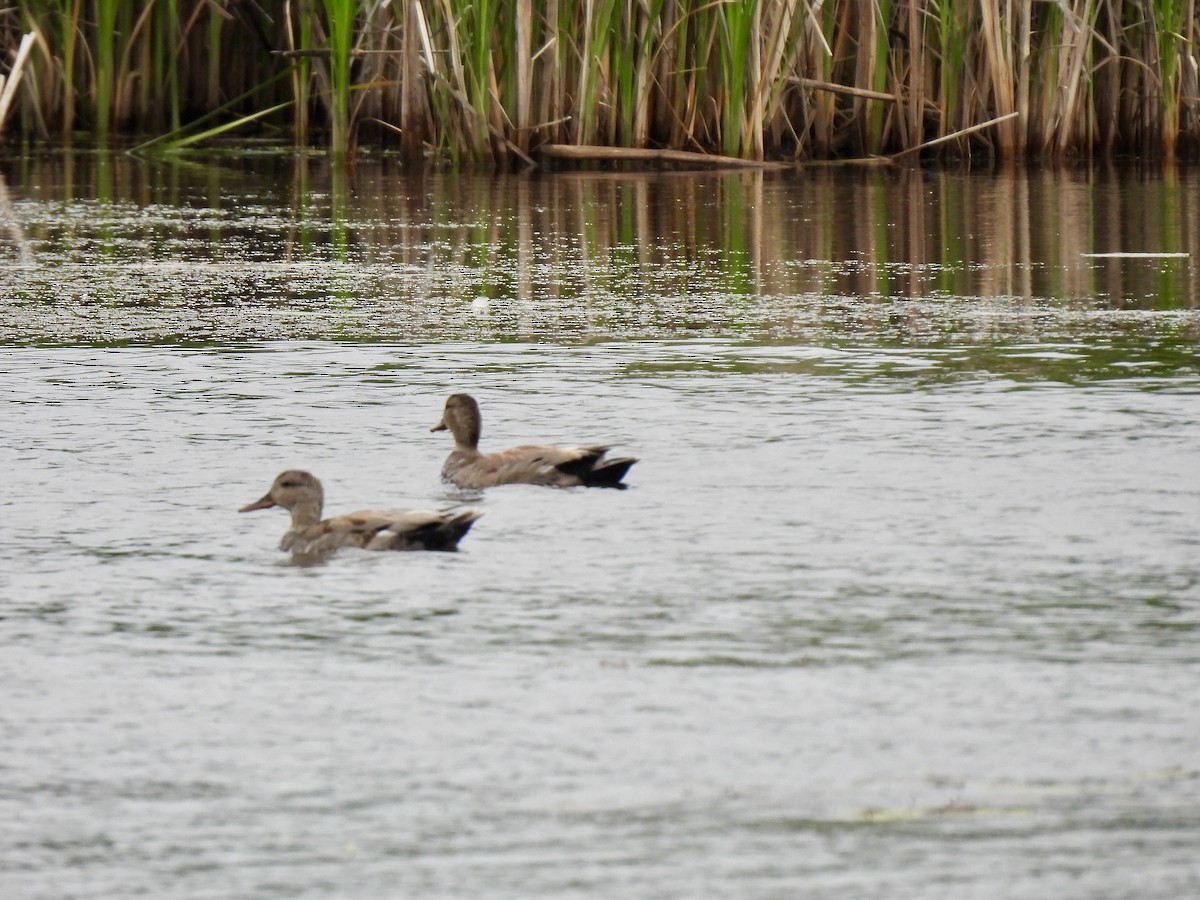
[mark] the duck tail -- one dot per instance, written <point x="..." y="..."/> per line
<point x="608" y="472"/>
<point x="447" y="535"/>
<point x="443" y="534"/>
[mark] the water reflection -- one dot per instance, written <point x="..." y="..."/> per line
<point x="597" y="253"/>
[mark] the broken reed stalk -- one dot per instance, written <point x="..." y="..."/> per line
<point x="636" y="154"/>
<point x="961" y="133"/>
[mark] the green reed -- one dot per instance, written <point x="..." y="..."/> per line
<point x="478" y="25"/>
<point x="299" y="36"/>
<point x="105" y="53"/>
<point x="1168" y="24"/>
<point x="165" y="48"/>
<point x="736" y="22"/>
<point x="597" y="19"/>
<point x="953" y="30"/>
<point x="340" y="18"/>
<point x="68" y="17"/>
<point x="624" y="64"/>
<point x="877" y="66"/>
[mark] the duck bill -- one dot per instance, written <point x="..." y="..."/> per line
<point x="440" y="426"/>
<point x="265" y="502"/>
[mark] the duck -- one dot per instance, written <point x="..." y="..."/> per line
<point x="469" y="468"/>
<point x="301" y="494"/>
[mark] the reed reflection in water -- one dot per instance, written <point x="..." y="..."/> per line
<point x="130" y="251"/>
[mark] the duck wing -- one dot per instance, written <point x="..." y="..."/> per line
<point x="587" y="466"/>
<point x="356" y="529"/>
<point x="539" y="464"/>
<point x="420" y="529"/>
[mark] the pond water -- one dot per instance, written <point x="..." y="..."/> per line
<point x="902" y="601"/>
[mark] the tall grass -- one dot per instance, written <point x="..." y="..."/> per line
<point x="492" y="81"/>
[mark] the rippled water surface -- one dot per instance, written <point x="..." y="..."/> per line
<point x="902" y="601"/>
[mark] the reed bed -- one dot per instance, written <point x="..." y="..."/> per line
<point x="498" y="82"/>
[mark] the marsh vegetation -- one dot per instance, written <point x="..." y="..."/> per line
<point x="500" y="82"/>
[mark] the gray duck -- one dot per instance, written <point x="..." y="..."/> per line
<point x="468" y="467"/>
<point x="301" y="494"/>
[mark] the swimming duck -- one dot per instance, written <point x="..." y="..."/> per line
<point x="467" y="467"/>
<point x="301" y="494"/>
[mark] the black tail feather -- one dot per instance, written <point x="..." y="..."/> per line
<point x="438" y="536"/>
<point x="608" y="472"/>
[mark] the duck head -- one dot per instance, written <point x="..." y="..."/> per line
<point x="462" y="417"/>
<point x="297" y="491"/>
